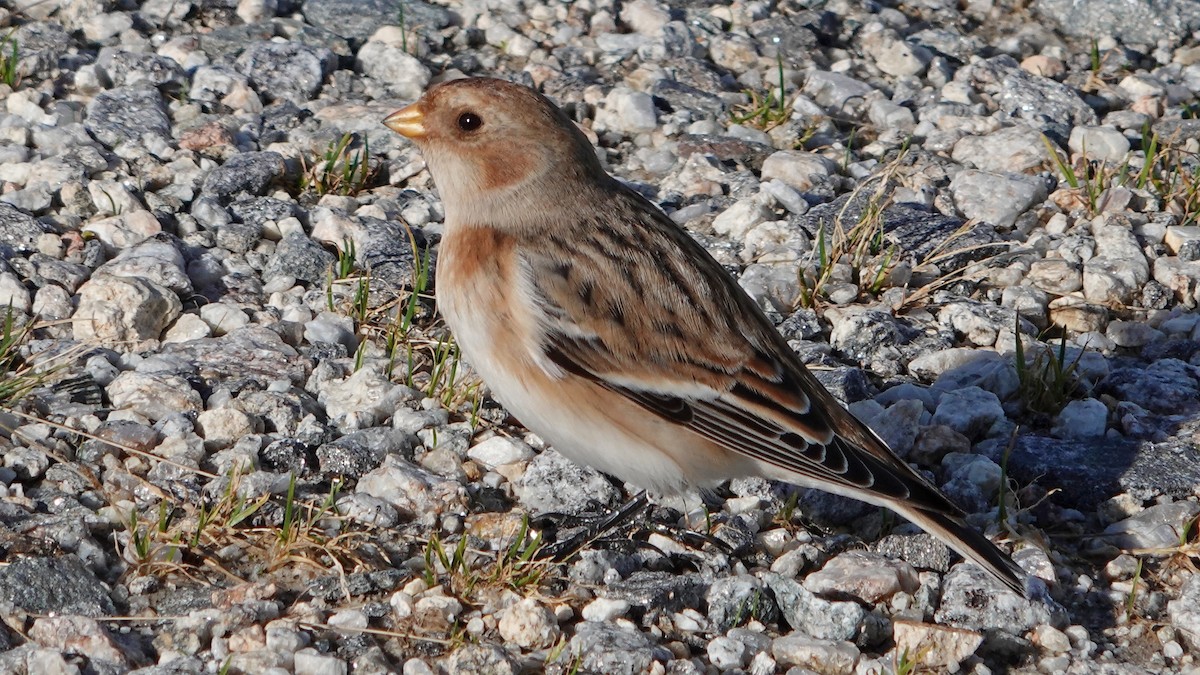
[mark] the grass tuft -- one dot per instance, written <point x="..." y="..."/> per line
<point x="1047" y="382"/>
<point x="341" y="170"/>
<point x="10" y="59"/>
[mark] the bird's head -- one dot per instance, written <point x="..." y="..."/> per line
<point x="498" y="149"/>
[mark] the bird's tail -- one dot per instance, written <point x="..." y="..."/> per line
<point x="972" y="545"/>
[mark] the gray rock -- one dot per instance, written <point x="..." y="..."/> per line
<point x="1015" y="149"/>
<point x="286" y="70"/>
<point x="128" y="115"/>
<point x="973" y="599"/>
<point x="156" y="259"/>
<point x="838" y="93"/>
<point x="250" y="172"/>
<point x="480" y="658"/>
<point x="359" y="452"/>
<point x="1166" y="386"/>
<point x="553" y="483"/>
<point x="1091" y="471"/>
<point x="919" y="235"/>
<point x="653" y="592"/>
<point x="814" y="616"/>
<point x="994" y="197"/>
<point x="299" y="257"/>
<point x="921" y="550"/>
<point x="1184" y="611"/>
<point x="402" y="73"/>
<point x="1056" y="276"/>
<point x="732" y="601"/>
<point x="54" y="585"/>
<point x="19" y="231"/>
<point x="970" y="411"/>
<point x="125" y="68"/>
<point x="1159" y="526"/>
<point x="1140" y="23"/>
<point x="252" y="356"/>
<point x="359" y="19"/>
<point x="1100" y="143"/>
<point x="1086" y="418"/>
<point x="1040" y="102"/>
<point x="611" y="649"/>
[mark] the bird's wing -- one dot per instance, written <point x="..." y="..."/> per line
<point x="695" y="350"/>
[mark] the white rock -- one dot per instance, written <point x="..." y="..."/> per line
<point x="743" y="216"/>
<point x="529" y="624"/>
<point x="605" y="609"/>
<point x="627" y="111"/>
<point x="499" y="450"/>
<point x="937" y="646"/>
<point x="309" y="661"/>
<point x="401" y="72"/>
<point x="1099" y="143"/>
<point x="124" y="230"/>
<point x="187" y="327"/>
<point x="796" y="168"/>
<point x="123" y="312"/>
<point x="153" y="395"/>
<point x="222" y="427"/>
<point x="222" y="317"/>
<point x="1086" y="418"/>
<point x="822" y="656"/>
<point x="14" y="294"/>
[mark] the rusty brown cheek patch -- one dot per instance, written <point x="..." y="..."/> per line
<point x="504" y="164"/>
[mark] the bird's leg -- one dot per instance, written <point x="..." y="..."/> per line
<point x="594" y="528"/>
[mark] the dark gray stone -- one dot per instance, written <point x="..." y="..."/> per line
<point x="62" y="585"/>
<point x="250" y="172"/>
<point x="130" y="68"/>
<point x="553" y="483"/>
<point x="661" y="591"/>
<point x="41" y="44"/>
<point x="921" y="550"/>
<point x="386" y="249"/>
<point x="732" y="601"/>
<point x="1166" y="386"/>
<point x="239" y="237"/>
<point x="261" y="210"/>
<point x="127" y="114"/>
<point x="286" y="70"/>
<point x="1091" y="471"/>
<point x="919" y="235"/>
<point x="19" y="230"/>
<point x="1147" y="22"/>
<point x="359" y="452"/>
<point x="608" y="648"/>
<point x="725" y="148"/>
<point x="846" y="384"/>
<point x="299" y="257"/>
<point x="359" y="19"/>
<point x="1046" y="105"/>
<point x="287" y="455"/>
<point x="682" y="96"/>
<point x="248" y="355"/>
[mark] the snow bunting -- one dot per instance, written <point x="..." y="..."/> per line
<point x="610" y="332"/>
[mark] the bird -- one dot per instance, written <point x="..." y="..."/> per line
<point x="605" y="328"/>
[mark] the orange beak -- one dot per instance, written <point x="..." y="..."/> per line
<point x="408" y="121"/>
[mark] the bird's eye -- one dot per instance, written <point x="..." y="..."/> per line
<point x="469" y="121"/>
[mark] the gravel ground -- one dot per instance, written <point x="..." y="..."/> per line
<point x="236" y="438"/>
